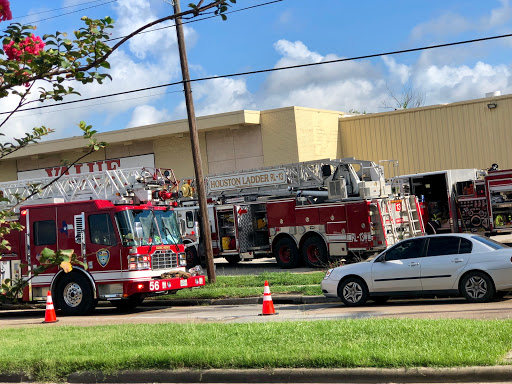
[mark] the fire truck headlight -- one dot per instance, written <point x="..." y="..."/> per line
<point x="182" y="260"/>
<point x="139" y="262"/>
<point x="328" y="273"/>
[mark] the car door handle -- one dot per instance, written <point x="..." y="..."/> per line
<point x="413" y="264"/>
<point x="457" y="260"/>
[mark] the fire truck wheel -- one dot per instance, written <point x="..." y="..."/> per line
<point x="286" y="253"/>
<point x="192" y="257"/>
<point x="353" y="292"/>
<point x="477" y="287"/>
<point x="129" y="304"/>
<point x="232" y="260"/>
<point x="314" y="252"/>
<point x="74" y="295"/>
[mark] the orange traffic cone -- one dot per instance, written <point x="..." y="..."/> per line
<point x="268" y="304"/>
<point x="49" y="316"/>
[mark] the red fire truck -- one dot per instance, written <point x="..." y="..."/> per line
<point x="463" y="200"/>
<point x="485" y="204"/>
<point x="309" y="212"/>
<point x="120" y="223"/>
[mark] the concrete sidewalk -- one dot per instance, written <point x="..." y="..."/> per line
<point x="283" y="375"/>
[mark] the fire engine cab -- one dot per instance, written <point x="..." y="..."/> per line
<point x="303" y="213"/>
<point x="121" y="224"/>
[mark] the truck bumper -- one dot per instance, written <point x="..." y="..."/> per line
<point x="161" y="286"/>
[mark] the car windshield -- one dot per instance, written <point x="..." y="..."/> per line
<point x="491" y="243"/>
<point x="148" y="227"/>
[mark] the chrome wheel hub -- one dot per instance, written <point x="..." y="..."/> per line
<point x="73" y="294"/>
<point x="476" y="287"/>
<point x="352" y="292"/>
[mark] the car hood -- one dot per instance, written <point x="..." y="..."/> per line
<point x="361" y="267"/>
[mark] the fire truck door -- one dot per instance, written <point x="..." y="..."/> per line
<point x="244" y="227"/>
<point x="101" y="241"/>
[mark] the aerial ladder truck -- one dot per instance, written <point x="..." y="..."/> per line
<point x="311" y="213"/>
<point x="120" y="222"/>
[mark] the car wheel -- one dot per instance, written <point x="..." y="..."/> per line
<point x="286" y="253"/>
<point x="192" y="257"/>
<point x="314" y="252"/>
<point x="129" y="304"/>
<point x="353" y="292"/>
<point x="477" y="287"/>
<point x="232" y="260"/>
<point x="74" y="295"/>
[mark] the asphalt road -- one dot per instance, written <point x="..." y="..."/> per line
<point x="424" y="308"/>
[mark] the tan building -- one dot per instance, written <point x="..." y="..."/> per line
<point x="470" y="134"/>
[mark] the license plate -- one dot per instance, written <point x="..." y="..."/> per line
<point x="183" y="283"/>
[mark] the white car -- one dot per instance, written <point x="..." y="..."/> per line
<point x="453" y="264"/>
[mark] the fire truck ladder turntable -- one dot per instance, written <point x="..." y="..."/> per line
<point x="120" y="186"/>
<point x="336" y="180"/>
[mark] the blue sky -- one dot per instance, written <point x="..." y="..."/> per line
<point x="285" y="33"/>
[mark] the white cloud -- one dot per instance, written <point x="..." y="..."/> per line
<point x="147" y="114"/>
<point x="445" y="25"/>
<point x="448" y="84"/>
<point x="363" y="85"/>
<point x="497" y="17"/>
<point x="401" y="71"/>
<point x="452" y="24"/>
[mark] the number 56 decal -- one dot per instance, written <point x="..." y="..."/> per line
<point x="154" y="285"/>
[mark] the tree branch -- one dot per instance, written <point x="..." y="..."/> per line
<point x="98" y="61"/>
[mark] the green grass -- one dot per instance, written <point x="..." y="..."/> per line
<point x="50" y="354"/>
<point x="252" y="285"/>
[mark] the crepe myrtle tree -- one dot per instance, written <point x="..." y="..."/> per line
<point x="40" y="68"/>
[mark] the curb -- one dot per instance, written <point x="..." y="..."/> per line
<point x="283" y="375"/>
<point x="277" y="299"/>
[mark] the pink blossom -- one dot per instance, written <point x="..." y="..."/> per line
<point x="32" y="45"/>
<point x="5" y="10"/>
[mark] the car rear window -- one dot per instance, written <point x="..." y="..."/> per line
<point x="491" y="243"/>
<point x="439" y="246"/>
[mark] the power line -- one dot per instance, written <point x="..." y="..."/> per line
<point x="69" y="13"/>
<point x="202" y="19"/>
<point x="273" y="70"/>
<point x="102" y="103"/>
<point x="56" y="9"/>
<point x="277" y="69"/>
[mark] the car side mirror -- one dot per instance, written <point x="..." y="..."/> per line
<point x="381" y="258"/>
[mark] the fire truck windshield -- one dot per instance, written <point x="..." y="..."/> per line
<point x="148" y="227"/>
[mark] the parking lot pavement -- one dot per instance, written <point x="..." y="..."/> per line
<point x="504" y="238"/>
<point x="254" y="267"/>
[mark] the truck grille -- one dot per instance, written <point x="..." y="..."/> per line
<point x="164" y="260"/>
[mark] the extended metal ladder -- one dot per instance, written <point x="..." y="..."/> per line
<point x="113" y="185"/>
<point x="308" y="175"/>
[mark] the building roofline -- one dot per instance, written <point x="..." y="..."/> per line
<point x="436" y="106"/>
<point x="146" y="132"/>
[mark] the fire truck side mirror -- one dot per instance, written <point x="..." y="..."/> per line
<point x="139" y="233"/>
<point x="183" y="229"/>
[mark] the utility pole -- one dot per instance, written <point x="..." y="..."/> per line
<point x="194" y="141"/>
